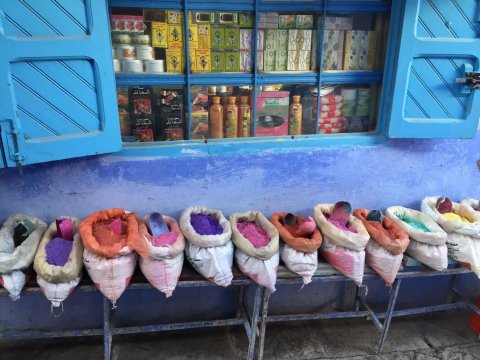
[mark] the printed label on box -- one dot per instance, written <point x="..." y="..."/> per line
<point x="203" y="17"/>
<point x="269" y="60"/>
<point x="218" y="61"/>
<point x="261" y="40"/>
<point x="245" y="20"/>
<point x="260" y="61"/>
<point x="280" y="60"/>
<point x="193" y="36"/>
<point x="175" y="60"/>
<point x="226" y="18"/>
<point x="300" y="40"/>
<point x="217" y="40"/>
<point x="286" y="22"/>
<point x="232" y="61"/>
<point x="202" y="60"/>
<point x="203" y="36"/>
<point x="174" y="17"/>
<point x="246" y="61"/>
<point x="175" y="36"/>
<point x="159" y="34"/>
<point x="282" y="40"/>
<point x="232" y="38"/>
<point x="333" y="49"/>
<point x="199" y="125"/>
<point x="193" y="60"/>
<point x="304" y="22"/>
<point x="270" y="39"/>
<point x="246" y="39"/>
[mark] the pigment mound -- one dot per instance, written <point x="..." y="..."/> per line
<point x="58" y="250"/>
<point x="205" y="224"/>
<point x="106" y="237"/>
<point x="254" y="233"/>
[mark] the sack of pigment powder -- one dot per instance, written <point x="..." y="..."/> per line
<point x="300" y="251"/>
<point x="388" y="242"/>
<point x="109" y="238"/>
<point x="58" y="261"/>
<point x="257" y="244"/>
<point x="209" y="248"/>
<point x="463" y="235"/>
<point x="343" y="249"/>
<point x="164" y="264"/>
<point x="17" y="250"/>
<point x="427" y="239"/>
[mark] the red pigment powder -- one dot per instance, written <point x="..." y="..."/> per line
<point x="206" y="224"/>
<point x="106" y="237"/>
<point x="254" y="233"/>
<point x="58" y="250"/>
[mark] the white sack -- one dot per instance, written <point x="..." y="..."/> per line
<point x="383" y="262"/>
<point x="214" y="263"/>
<point x="111" y="276"/>
<point x="163" y="274"/>
<point x="263" y="272"/>
<point x="205" y="240"/>
<point x="349" y="262"/>
<point x="57" y="293"/>
<point x="303" y="264"/>
<point x="434" y="256"/>
<point x="14" y="282"/>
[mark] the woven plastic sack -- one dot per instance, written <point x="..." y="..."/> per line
<point x="111" y="276"/>
<point x="427" y="247"/>
<point x="344" y="250"/>
<point x="259" y="264"/>
<point x="463" y="239"/>
<point x="473" y="203"/>
<point x="164" y="264"/>
<point x="14" y="260"/>
<point x="383" y="262"/>
<point x="299" y="262"/>
<point x="73" y="267"/>
<point x="210" y="255"/>
<point x="57" y="293"/>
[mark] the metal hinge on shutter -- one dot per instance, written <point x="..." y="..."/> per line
<point x="15" y="147"/>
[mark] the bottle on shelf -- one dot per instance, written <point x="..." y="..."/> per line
<point x="295" y="118"/>
<point x="215" y="119"/>
<point x="244" y="117"/>
<point x="231" y="120"/>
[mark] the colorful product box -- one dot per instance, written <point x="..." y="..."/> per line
<point x="203" y="36"/>
<point x="175" y="60"/>
<point x="203" y="60"/>
<point x="174" y="17"/>
<point x="261" y="39"/>
<point x="127" y="24"/>
<point x="272" y="113"/>
<point x="217" y="37"/>
<point x="270" y="39"/>
<point x="313" y="53"/>
<point x="159" y="35"/>
<point x="201" y="17"/>
<point x="286" y="21"/>
<point x="360" y="49"/>
<point x="245" y="20"/>
<point x="226" y="18"/>
<point x="218" y="60"/>
<point x="193" y="36"/>
<point x="199" y="125"/>
<point x="170" y="124"/>
<point x="193" y="60"/>
<point x="246" y="61"/>
<point x="280" y="60"/>
<point x="333" y="49"/>
<point x="304" y="22"/>
<point x="269" y="60"/>
<point x="282" y="40"/>
<point x="232" y="61"/>
<point x="246" y="39"/>
<point x="260" y="61"/>
<point x="300" y="40"/>
<point x="141" y="113"/>
<point x="298" y="61"/>
<point x="232" y="38"/>
<point x="175" y="36"/>
<point x="368" y="46"/>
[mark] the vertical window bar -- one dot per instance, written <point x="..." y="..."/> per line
<point x="187" y="65"/>
<point x="320" y="45"/>
<point x="255" y="73"/>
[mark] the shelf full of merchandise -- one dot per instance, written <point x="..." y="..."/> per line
<point x="256" y="78"/>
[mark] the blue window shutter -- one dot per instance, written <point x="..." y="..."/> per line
<point x="439" y="42"/>
<point x="57" y="85"/>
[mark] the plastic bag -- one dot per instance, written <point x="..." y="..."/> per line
<point x="301" y="263"/>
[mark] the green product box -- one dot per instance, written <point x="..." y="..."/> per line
<point x="245" y="20"/>
<point x="286" y="21"/>
<point x="202" y="17"/>
<point x="232" y="61"/>
<point x="270" y="39"/>
<point x="269" y="60"/>
<point x="217" y="37"/>
<point x="280" y="60"/>
<point x="304" y="22"/>
<point x="282" y="40"/>
<point x="232" y="38"/>
<point x="217" y="61"/>
<point x="226" y="18"/>
<point x="300" y="40"/>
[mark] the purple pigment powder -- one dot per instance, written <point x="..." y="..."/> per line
<point x="205" y="224"/>
<point x="58" y="250"/>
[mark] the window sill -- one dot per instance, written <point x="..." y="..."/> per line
<point x="248" y="146"/>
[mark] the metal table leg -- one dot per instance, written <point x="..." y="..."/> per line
<point x="255" y="316"/>
<point x="107" y="334"/>
<point x="263" y="323"/>
<point x="388" y="314"/>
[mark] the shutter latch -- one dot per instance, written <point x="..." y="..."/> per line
<point x="471" y="80"/>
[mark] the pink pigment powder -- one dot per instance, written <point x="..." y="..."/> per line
<point x="165" y="239"/>
<point x="206" y="224"/>
<point x="341" y="226"/>
<point x="58" y="250"/>
<point x="254" y="233"/>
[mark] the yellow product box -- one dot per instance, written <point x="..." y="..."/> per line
<point x="159" y="34"/>
<point x="175" y="36"/>
<point x="203" y="36"/>
<point x="176" y="17"/>
<point x="203" y="60"/>
<point x="193" y="36"/>
<point x="193" y="62"/>
<point x="175" y="60"/>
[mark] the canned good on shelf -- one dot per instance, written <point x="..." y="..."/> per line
<point x="141" y="39"/>
<point x="122" y="39"/>
<point x="154" y="66"/>
<point x="144" y="52"/>
<point x="132" y="66"/>
<point x="125" y="52"/>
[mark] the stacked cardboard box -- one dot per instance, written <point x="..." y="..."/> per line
<point x="359" y="50"/>
<point x="334" y="39"/>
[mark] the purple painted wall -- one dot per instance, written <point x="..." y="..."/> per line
<point x="399" y="172"/>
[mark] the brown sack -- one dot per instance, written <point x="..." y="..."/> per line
<point x="306" y="245"/>
<point x="396" y="242"/>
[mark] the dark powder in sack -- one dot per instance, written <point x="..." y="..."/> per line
<point x="253" y="233"/>
<point x="205" y="224"/>
<point x="106" y="237"/>
<point x="58" y="250"/>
